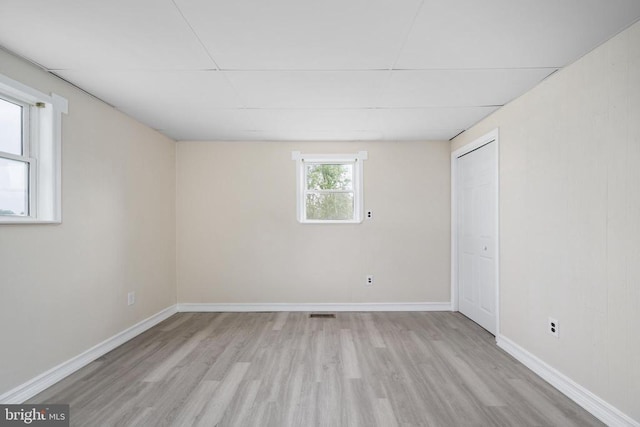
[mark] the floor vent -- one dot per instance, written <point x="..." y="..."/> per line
<point x="323" y="315"/>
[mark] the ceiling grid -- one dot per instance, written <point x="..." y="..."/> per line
<point x="334" y="70"/>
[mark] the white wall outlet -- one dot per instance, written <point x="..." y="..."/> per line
<point x="369" y="214"/>
<point x="131" y="298"/>
<point x="369" y="280"/>
<point x="553" y="327"/>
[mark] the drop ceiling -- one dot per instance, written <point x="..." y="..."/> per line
<point x="308" y="70"/>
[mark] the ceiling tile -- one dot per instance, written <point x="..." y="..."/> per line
<point x="257" y="125"/>
<point x="298" y="35"/>
<point x="309" y="120"/>
<point x="157" y="90"/>
<point x="197" y="124"/>
<point x="88" y="34"/>
<point x="300" y="135"/>
<point x="511" y="34"/>
<point x="308" y="89"/>
<point x="420" y="134"/>
<point x="449" y="88"/>
<point x="396" y="122"/>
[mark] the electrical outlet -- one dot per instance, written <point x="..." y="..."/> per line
<point x="553" y="327"/>
<point x="369" y="214"/>
<point x="131" y="298"/>
<point x="369" y="281"/>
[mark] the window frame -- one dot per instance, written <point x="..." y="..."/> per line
<point x="24" y="157"/>
<point x="41" y="150"/>
<point x="354" y="159"/>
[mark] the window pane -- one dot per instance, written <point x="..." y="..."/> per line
<point x="329" y="177"/>
<point x="10" y="127"/>
<point x="336" y="206"/>
<point x="14" y="187"/>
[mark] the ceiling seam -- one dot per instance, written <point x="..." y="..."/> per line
<point x="406" y="36"/>
<point x="193" y="31"/>
<point x="428" y="107"/>
<point x="351" y="70"/>
<point x="385" y="85"/>
<point x="210" y="55"/>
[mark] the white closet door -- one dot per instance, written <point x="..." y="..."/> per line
<point x="477" y="189"/>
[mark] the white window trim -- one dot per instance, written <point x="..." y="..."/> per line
<point x="357" y="159"/>
<point x="44" y="150"/>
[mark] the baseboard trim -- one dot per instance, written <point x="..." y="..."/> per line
<point x="45" y="380"/>
<point x="602" y="410"/>
<point x="253" y="307"/>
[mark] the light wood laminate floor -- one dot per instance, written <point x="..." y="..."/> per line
<point x="286" y="369"/>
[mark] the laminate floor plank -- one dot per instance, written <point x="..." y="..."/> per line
<point x="384" y="413"/>
<point x="192" y="410"/>
<point x="349" y="356"/>
<point x="174" y="322"/>
<point x="239" y="410"/>
<point x="287" y="369"/>
<point x="215" y="409"/>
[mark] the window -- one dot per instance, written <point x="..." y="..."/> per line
<point x="330" y="187"/>
<point x="30" y="137"/>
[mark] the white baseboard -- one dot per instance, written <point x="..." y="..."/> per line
<point x="47" y="379"/>
<point x="602" y="410"/>
<point x="376" y="306"/>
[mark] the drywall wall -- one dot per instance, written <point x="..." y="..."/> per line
<point x="63" y="288"/>
<point x="239" y="240"/>
<point x="570" y="219"/>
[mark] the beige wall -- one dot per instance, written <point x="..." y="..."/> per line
<point x="570" y="219"/>
<point x="239" y="240"/>
<point x="63" y="287"/>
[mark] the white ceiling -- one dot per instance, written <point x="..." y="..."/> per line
<point x="308" y="69"/>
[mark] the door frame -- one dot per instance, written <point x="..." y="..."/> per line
<point x="488" y="138"/>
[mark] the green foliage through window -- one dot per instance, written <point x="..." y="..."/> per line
<point x="329" y="177"/>
<point x="329" y="194"/>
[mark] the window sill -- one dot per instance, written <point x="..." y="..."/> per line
<point x="330" y="222"/>
<point x="19" y="221"/>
